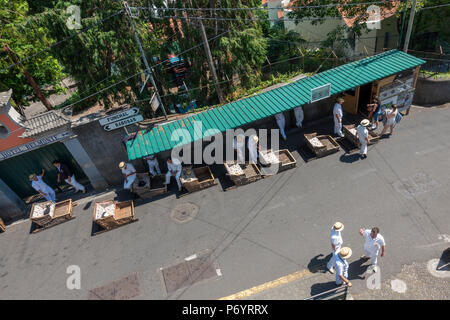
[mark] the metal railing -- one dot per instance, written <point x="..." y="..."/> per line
<point x="339" y="293"/>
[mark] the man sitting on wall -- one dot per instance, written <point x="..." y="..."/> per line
<point x="173" y="170"/>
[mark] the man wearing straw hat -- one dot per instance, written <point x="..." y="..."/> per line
<point x="253" y="148"/>
<point x="40" y="186"/>
<point x="336" y="243"/>
<point x="341" y="266"/>
<point x="129" y="174"/>
<point x="337" y="117"/>
<point x="363" y="135"/>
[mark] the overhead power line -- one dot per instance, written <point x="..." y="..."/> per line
<point x="59" y="42"/>
<point x="273" y="8"/>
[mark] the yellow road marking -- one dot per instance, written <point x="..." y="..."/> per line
<point x="268" y="285"/>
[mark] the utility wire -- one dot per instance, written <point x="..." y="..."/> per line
<point x="267" y="8"/>
<point x="59" y="42"/>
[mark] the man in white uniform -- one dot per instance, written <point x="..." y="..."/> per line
<point x="153" y="165"/>
<point x="336" y="243"/>
<point x="174" y="170"/>
<point x="337" y="117"/>
<point x="40" y="186"/>
<point x="374" y="242"/>
<point x="239" y="146"/>
<point x="341" y="266"/>
<point x="363" y="135"/>
<point x="298" y="112"/>
<point x="129" y="174"/>
<point x="253" y="148"/>
<point x="281" y="121"/>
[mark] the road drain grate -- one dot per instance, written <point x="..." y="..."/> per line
<point x="123" y="289"/>
<point x="184" y="212"/>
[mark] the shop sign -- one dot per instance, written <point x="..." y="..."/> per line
<point x="33" y="145"/>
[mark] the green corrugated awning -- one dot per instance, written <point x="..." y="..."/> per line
<point x="260" y="106"/>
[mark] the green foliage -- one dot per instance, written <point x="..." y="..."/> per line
<point x="25" y="37"/>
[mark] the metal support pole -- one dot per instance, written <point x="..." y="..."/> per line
<point x="410" y="25"/>
<point x="148" y="70"/>
<point x="211" y="63"/>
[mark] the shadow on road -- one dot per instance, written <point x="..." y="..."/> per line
<point x="319" y="265"/>
<point x="356" y="269"/>
<point x="349" y="158"/>
<point x="322" y="287"/>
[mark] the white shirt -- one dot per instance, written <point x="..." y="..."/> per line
<point x="341" y="268"/>
<point x="39" y="185"/>
<point x="363" y="133"/>
<point x="175" y="166"/>
<point x="251" y="143"/>
<point x="373" y="245"/>
<point x="279" y="116"/>
<point x="336" y="238"/>
<point x="337" y="110"/>
<point x="129" y="169"/>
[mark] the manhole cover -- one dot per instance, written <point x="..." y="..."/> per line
<point x="122" y="289"/>
<point x="184" y="212"/>
<point x="193" y="269"/>
<point x="440" y="267"/>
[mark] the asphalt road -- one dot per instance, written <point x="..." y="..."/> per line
<point x="258" y="232"/>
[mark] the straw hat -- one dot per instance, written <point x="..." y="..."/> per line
<point x="338" y="226"/>
<point x="365" y="123"/>
<point x="255" y="138"/>
<point x="122" y="165"/>
<point x="32" y="176"/>
<point x="340" y="100"/>
<point x="345" y="252"/>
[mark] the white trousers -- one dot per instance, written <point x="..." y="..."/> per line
<point x="337" y="127"/>
<point x="282" y="124"/>
<point x="177" y="178"/>
<point x="240" y="154"/>
<point x="75" y="183"/>
<point x="153" y="167"/>
<point x="253" y="155"/>
<point x="363" y="149"/>
<point x="373" y="256"/>
<point x="51" y="196"/>
<point x="332" y="260"/>
<point x="298" y="112"/>
<point x="129" y="181"/>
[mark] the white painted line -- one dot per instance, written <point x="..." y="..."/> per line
<point x="191" y="257"/>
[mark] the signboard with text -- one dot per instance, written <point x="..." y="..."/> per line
<point x="320" y="93"/>
<point x="119" y="116"/>
<point x="33" y="145"/>
<point x="123" y="123"/>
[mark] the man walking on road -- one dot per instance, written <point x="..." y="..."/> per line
<point x="341" y="266"/>
<point x="336" y="243"/>
<point x="374" y="242"/>
<point x="65" y="173"/>
<point x="363" y="135"/>
<point x="337" y="117"/>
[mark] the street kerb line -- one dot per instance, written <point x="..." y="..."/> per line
<point x="269" y="285"/>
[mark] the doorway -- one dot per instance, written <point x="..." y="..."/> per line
<point x="15" y="171"/>
<point x="365" y="93"/>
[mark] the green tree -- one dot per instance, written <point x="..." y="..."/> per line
<point x="20" y="37"/>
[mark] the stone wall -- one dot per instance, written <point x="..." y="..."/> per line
<point x="431" y="92"/>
